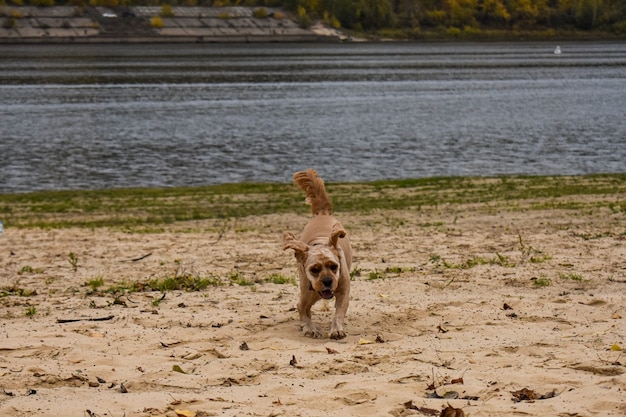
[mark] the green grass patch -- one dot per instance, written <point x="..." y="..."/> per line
<point x="588" y="236"/>
<point x="17" y="290"/>
<point x="150" y="208"/>
<point x="280" y="279"/>
<point x="539" y="258"/>
<point x="501" y="260"/>
<point x="388" y="272"/>
<point x="571" y="277"/>
<point x="185" y="283"/>
<point x="27" y="269"/>
<point x="95" y="283"/>
<point x="237" y="278"/>
<point x="373" y="275"/>
<point x="180" y="281"/>
<point x="542" y="282"/>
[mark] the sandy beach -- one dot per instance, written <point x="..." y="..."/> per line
<point x="492" y="311"/>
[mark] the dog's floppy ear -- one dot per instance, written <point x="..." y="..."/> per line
<point x="291" y="242"/>
<point x="336" y="233"/>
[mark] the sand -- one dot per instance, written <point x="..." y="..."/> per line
<point x="470" y="303"/>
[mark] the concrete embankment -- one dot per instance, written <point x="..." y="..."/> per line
<point x="69" y="24"/>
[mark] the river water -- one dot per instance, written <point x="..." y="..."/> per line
<point x="111" y="116"/>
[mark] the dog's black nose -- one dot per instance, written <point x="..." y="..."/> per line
<point x="328" y="282"/>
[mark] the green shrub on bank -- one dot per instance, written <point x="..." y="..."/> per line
<point x="167" y="11"/>
<point x="156" y="22"/>
<point x="260" y="13"/>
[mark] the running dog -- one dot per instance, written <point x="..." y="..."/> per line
<point x="324" y="257"/>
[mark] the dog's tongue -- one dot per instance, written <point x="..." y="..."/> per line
<point x="327" y="294"/>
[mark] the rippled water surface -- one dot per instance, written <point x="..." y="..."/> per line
<point x="105" y="116"/>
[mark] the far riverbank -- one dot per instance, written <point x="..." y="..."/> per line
<point x="149" y="24"/>
<point x="146" y="24"/>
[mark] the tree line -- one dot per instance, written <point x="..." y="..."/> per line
<point x="414" y="17"/>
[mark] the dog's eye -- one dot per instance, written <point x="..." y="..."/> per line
<point x="333" y="267"/>
<point x="315" y="270"/>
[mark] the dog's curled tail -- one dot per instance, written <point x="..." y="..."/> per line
<point x="313" y="186"/>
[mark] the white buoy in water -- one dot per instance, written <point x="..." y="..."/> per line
<point x="557" y="50"/>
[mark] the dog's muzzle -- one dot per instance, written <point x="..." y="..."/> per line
<point x="327" y="293"/>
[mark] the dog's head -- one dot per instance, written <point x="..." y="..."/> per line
<point x="323" y="263"/>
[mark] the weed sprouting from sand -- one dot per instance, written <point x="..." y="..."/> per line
<point x="435" y="259"/>
<point x="73" y="260"/>
<point x="95" y="283"/>
<point x="157" y="301"/>
<point x="532" y="254"/>
<point x="30" y="312"/>
<point x="356" y="272"/>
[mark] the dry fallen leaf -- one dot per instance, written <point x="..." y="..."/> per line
<point x="616" y="347"/>
<point x="427" y="411"/>
<point x="364" y="342"/>
<point x="524" y="394"/>
<point x="450" y="411"/>
<point x="178" y="369"/>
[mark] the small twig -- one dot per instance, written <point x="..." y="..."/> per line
<point x="449" y="282"/>
<point x="223" y="230"/>
<point x="88" y="319"/>
<point x="141" y="257"/>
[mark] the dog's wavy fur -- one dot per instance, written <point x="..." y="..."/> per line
<point x="324" y="257"/>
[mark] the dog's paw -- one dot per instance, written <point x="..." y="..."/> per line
<point x="311" y="332"/>
<point x="337" y="334"/>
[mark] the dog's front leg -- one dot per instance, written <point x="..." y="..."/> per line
<point x="341" y="307"/>
<point x="304" y="308"/>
